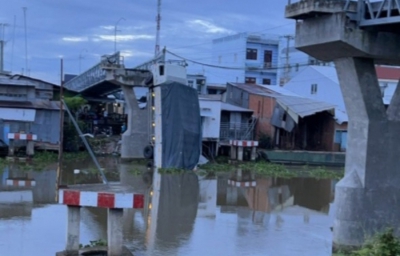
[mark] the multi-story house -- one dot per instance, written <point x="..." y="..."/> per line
<point x="250" y="58"/>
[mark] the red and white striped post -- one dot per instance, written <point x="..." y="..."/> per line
<point x="29" y="138"/>
<point x="114" y="199"/>
<point x="237" y="148"/>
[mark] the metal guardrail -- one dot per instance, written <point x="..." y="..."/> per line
<point x="236" y="131"/>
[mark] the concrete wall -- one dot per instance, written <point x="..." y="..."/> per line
<point x="268" y="74"/>
<point x="17" y="93"/>
<point x="211" y="125"/>
<point x="237" y="96"/>
<point x="46" y="125"/>
<point x="228" y="51"/>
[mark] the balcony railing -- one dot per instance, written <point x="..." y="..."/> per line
<point x="236" y="131"/>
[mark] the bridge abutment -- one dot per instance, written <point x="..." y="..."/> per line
<point x="367" y="198"/>
<point x="136" y="137"/>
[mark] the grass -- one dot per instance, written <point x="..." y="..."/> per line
<point x="41" y="161"/>
<point x="383" y="244"/>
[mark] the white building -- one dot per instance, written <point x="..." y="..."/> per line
<point x="298" y="61"/>
<point x="222" y="122"/>
<point x="252" y="57"/>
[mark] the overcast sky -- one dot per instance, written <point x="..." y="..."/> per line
<point x="69" y="28"/>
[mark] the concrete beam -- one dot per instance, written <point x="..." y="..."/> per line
<point x="136" y="137"/>
<point x="333" y="36"/>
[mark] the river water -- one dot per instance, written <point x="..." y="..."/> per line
<point x="193" y="216"/>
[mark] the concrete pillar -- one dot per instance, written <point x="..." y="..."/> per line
<point x="233" y="153"/>
<point x="115" y="231"/>
<point x="240" y="154"/>
<point x="366" y="198"/>
<point x="136" y="137"/>
<point x="73" y="229"/>
<point x="11" y="148"/>
<point x="30" y="151"/>
<point x="253" y="153"/>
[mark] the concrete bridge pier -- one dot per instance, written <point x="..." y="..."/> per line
<point x="136" y="137"/>
<point x="368" y="196"/>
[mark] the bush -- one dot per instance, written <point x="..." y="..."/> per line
<point x="264" y="141"/>
<point x="385" y="244"/>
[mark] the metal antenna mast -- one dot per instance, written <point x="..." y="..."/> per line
<point x="13" y="42"/>
<point x="26" y="43"/>
<point x="158" y="19"/>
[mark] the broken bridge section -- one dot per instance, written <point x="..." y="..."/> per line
<point x="110" y="75"/>
<point x="357" y="35"/>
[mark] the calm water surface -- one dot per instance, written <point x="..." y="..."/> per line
<point x="189" y="215"/>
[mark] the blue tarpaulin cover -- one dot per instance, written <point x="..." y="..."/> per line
<point x="181" y="121"/>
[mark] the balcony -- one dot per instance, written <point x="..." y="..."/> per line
<point x="236" y="131"/>
<point x="261" y="67"/>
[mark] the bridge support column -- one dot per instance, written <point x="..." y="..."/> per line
<point x="367" y="198"/>
<point x="135" y="138"/>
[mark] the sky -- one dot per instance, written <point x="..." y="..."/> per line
<point x="74" y="28"/>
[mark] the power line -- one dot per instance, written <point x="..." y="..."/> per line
<point x="231" y="68"/>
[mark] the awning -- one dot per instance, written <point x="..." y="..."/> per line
<point x="301" y="107"/>
<point x="17" y="114"/>
<point x="206" y="112"/>
<point x="233" y="108"/>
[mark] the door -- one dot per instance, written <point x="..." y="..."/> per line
<point x="343" y="143"/>
<point x="267" y="59"/>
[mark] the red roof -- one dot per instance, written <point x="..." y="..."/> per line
<point x="389" y="73"/>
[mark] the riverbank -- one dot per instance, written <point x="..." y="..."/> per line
<point x="305" y="157"/>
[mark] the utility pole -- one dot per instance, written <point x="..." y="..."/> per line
<point x="1" y="56"/>
<point x="158" y="19"/>
<point x="61" y="144"/>
<point x="115" y="34"/>
<point x="2" y="44"/>
<point x="26" y="42"/>
<point x="13" y="42"/>
<point x="287" y="57"/>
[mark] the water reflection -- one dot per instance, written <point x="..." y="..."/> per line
<point x="188" y="215"/>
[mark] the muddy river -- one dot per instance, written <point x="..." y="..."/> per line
<point x="194" y="215"/>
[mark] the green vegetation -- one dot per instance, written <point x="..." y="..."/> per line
<point x="383" y="244"/>
<point x="95" y="243"/>
<point x="74" y="103"/>
<point x="265" y="169"/>
<point x="40" y="161"/>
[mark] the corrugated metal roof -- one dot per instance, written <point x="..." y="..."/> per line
<point x="280" y="90"/>
<point x="8" y="81"/>
<point x="304" y="107"/>
<point x="233" y="108"/>
<point x="341" y="116"/>
<point x="46" y="104"/>
<point x="255" y="89"/>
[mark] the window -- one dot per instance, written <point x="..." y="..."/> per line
<point x="267" y="59"/>
<point x="266" y="81"/>
<point x="251" y="54"/>
<point x="190" y="83"/>
<point x="250" y="80"/>
<point x="314" y="88"/>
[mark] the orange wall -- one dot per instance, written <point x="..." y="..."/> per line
<point x="263" y="108"/>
